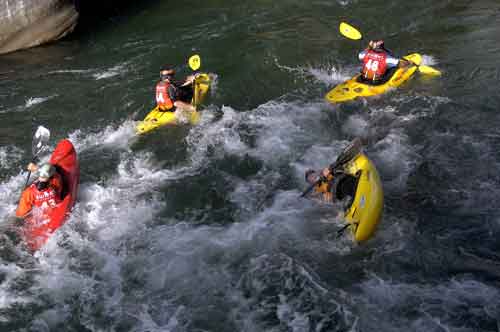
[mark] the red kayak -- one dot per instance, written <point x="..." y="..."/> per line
<point x="38" y="227"/>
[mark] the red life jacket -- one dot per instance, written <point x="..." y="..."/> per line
<point x="374" y="64"/>
<point x="163" y="100"/>
<point x="45" y="198"/>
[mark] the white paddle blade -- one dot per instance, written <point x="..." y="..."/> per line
<point x="40" y="140"/>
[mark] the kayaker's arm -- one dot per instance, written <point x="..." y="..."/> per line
<point x="189" y="80"/>
<point x="25" y="204"/>
<point x="172" y="92"/>
<point x="392" y="61"/>
<point x="361" y="55"/>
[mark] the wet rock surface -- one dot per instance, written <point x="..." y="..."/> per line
<point x="28" y="23"/>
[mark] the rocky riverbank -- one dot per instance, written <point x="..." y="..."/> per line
<point x="28" y="23"/>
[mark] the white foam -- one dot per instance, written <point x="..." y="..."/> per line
<point x="429" y="60"/>
<point x="214" y="83"/>
<point x="356" y="125"/>
<point x="426" y="106"/>
<point x="332" y="76"/>
<point x="97" y="74"/>
<point x="345" y="2"/>
<point x="459" y="296"/>
<point x="279" y="126"/>
<point x="10" y="272"/>
<point x="329" y="75"/>
<point x="119" y="138"/>
<point x="37" y="100"/>
<point x="111" y="72"/>
<point x="221" y="135"/>
<point x="395" y="158"/>
<point x="10" y="156"/>
<point x="10" y="192"/>
<point x="318" y="157"/>
<point x="71" y="71"/>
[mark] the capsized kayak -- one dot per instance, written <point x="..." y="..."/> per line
<point x="365" y="210"/>
<point x="157" y="118"/>
<point x="38" y="227"/>
<point x="352" y="89"/>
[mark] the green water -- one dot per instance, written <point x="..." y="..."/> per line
<point x="201" y="229"/>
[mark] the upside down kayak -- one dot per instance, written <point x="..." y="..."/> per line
<point x="365" y="210"/>
<point x="38" y="227"/>
<point x="352" y="88"/>
<point x="157" y="118"/>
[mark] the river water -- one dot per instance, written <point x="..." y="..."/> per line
<point x="201" y="228"/>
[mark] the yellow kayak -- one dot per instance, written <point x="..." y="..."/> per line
<point x="157" y="118"/>
<point x="352" y="89"/>
<point x="365" y="211"/>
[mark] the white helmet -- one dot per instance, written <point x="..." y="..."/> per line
<point x="46" y="170"/>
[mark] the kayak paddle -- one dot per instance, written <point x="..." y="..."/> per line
<point x="39" y="144"/>
<point x="351" y="32"/>
<point x="194" y="62"/>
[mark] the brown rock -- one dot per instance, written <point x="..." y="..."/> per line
<point x="28" y="23"/>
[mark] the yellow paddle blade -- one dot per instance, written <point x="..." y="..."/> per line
<point x="349" y="31"/>
<point x="428" y="70"/>
<point x="194" y="62"/>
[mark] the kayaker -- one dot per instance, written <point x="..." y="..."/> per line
<point x="378" y="63"/>
<point x="44" y="192"/>
<point x="342" y="185"/>
<point x="323" y="188"/>
<point x="171" y="94"/>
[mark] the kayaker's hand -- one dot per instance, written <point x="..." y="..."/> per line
<point x="189" y="80"/>
<point x="404" y="63"/>
<point x="32" y="167"/>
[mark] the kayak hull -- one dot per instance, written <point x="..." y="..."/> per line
<point x="365" y="212"/>
<point x="352" y="89"/>
<point x="157" y="118"/>
<point x="38" y="227"/>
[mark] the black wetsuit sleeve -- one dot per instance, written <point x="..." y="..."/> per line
<point x="172" y="92"/>
<point x="186" y="93"/>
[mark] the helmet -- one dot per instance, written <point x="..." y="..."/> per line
<point x="376" y="44"/>
<point x="46" y="170"/>
<point x="311" y="176"/>
<point x="166" y="73"/>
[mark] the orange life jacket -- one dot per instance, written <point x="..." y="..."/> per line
<point x="324" y="188"/>
<point x="163" y="99"/>
<point x="46" y="198"/>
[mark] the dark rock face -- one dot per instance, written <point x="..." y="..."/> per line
<point x="28" y="23"/>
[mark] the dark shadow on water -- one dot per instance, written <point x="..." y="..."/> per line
<point x="96" y="15"/>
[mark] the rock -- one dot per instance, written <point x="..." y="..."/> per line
<point x="28" y="23"/>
